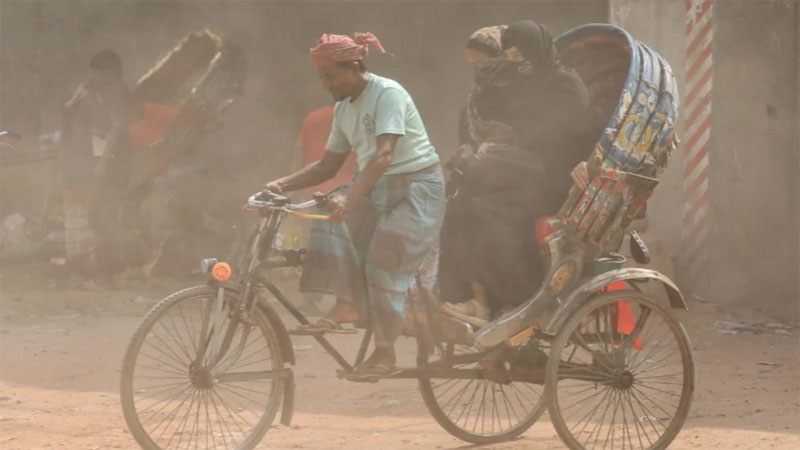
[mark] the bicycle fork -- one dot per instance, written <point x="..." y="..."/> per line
<point x="216" y="337"/>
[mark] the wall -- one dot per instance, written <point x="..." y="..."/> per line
<point x="754" y="177"/>
<point x="754" y="159"/>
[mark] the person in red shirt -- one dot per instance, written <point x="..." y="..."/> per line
<point x="311" y="145"/>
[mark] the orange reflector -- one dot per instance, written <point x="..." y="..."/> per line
<point x="520" y="337"/>
<point x="626" y="322"/>
<point x="221" y="271"/>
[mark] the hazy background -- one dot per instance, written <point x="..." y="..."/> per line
<point x="45" y="45"/>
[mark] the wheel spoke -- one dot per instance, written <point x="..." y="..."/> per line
<point x="184" y="421"/>
<point x="172" y="414"/>
<point x="509" y="404"/>
<point x="613" y="421"/>
<point x="591" y="412"/>
<point x="642" y="357"/>
<point x="209" y="428"/>
<point x="188" y="329"/>
<point x="470" y="403"/>
<point x="174" y="396"/>
<point x="231" y="412"/>
<point x="636" y="423"/>
<point x="178" y="370"/>
<point x="585" y="399"/>
<point x="458" y="398"/>
<point x="240" y="395"/>
<point x="599" y="425"/>
<point x="649" y="416"/>
<point x="221" y="419"/>
<point x="658" y="406"/>
<point x="481" y="407"/>
<point x="170" y="355"/>
<point x="176" y="337"/>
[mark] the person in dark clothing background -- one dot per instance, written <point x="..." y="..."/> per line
<point x="506" y="185"/>
<point x="95" y="160"/>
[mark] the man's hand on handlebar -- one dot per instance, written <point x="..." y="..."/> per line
<point x="340" y="205"/>
<point x="273" y="186"/>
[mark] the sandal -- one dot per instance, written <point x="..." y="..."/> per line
<point x="471" y="311"/>
<point x="318" y="328"/>
<point x="371" y="373"/>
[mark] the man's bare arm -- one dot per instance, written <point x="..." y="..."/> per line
<point x="341" y="205"/>
<point x="377" y="165"/>
<point x="311" y="175"/>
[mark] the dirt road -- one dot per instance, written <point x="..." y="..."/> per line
<point x="62" y="350"/>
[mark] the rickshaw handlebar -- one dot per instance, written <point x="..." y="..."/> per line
<point x="271" y="200"/>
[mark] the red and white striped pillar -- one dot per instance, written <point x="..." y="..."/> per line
<point x="697" y="139"/>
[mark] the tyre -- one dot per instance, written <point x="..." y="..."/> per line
<point x="480" y="410"/>
<point x="172" y="399"/>
<point x="620" y="375"/>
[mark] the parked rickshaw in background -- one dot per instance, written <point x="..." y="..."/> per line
<point x="178" y="106"/>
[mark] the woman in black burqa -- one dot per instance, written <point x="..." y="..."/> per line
<point x="489" y="253"/>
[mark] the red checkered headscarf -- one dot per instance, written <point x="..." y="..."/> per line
<point x="338" y="48"/>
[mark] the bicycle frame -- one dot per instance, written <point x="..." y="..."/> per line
<point x="255" y="280"/>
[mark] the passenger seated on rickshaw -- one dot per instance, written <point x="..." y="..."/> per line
<point x="490" y="258"/>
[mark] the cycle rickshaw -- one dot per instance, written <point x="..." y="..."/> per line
<point x="211" y="366"/>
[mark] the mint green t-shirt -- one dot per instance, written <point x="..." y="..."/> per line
<point x="384" y="107"/>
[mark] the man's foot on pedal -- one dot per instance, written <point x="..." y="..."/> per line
<point x="322" y="326"/>
<point x="341" y="313"/>
<point x="371" y="373"/>
<point x="380" y="364"/>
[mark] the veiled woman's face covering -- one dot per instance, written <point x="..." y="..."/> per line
<point x="504" y="72"/>
<point x="497" y="70"/>
<point x="528" y="41"/>
<point x="513" y="54"/>
<point x="484" y="53"/>
<point x="484" y="71"/>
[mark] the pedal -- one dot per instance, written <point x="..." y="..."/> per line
<point x="346" y="375"/>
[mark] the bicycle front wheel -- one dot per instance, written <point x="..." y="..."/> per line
<point x="176" y="394"/>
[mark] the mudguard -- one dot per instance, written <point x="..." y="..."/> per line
<point x="589" y="287"/>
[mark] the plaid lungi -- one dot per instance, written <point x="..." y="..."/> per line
<point x="79" y="238"/>
<point x="372" y="259"/>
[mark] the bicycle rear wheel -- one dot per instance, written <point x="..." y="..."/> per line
<point x="172" y="394"/>
<point x="620" y="375"/>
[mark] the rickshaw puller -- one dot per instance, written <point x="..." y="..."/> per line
<point x="383" y="225"/>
